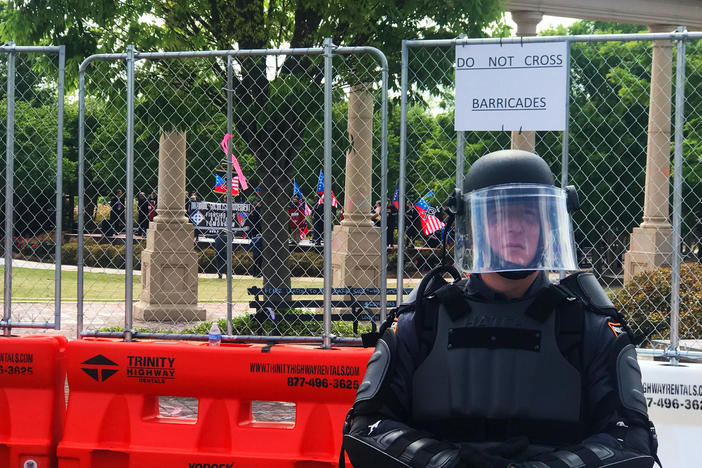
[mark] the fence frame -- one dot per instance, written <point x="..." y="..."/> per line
<point x="11" y="51"/>
<point x="679" y="36"/>
<point x="328" y="51"/>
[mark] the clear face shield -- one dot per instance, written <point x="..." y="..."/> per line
<point x="514" y="227"/>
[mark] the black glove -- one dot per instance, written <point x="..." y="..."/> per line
<point x="510" y="448"/>
<point x="476" y="458"/>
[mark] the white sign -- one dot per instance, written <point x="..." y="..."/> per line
<point x="511" y="86"/>
<point x="674" y="399"/>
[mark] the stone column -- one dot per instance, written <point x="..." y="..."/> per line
<point x="169" y="262"/>
<point x="355" y="243"/>
<point x="651" y="242"/>
<point x="526" y="26"/>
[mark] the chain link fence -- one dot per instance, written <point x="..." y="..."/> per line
<point x="31" y="204"/>
<point x="220" y="160"/>
<point x="603" y="153"/>
<point x="296" y="116"/>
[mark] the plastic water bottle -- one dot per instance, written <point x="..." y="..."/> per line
<point x="215" y="335"/>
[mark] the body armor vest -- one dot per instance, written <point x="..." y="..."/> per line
<point x="495" y="364"/>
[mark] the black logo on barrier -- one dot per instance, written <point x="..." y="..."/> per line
<point x="100" y="368"/>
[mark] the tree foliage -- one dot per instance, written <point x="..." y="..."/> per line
<point x="271" y="120"/>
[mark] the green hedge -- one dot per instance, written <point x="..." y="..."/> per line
<point x="246" y="325"/>
<point x="645" y="303"/>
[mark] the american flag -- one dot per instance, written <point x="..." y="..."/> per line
<point x="396" y="197"/>
<point x="221" y="185"/>
<point x="430" y="223"/>
<point x="334" y="201"/>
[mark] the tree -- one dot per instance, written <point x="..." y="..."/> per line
<point x="271" y="119"/>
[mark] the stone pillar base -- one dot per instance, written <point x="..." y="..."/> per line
<point x="169" y="274"/>
<point x="355" y="256"/>
<point x="169" y="313"/>
<point x="651" y="247"/>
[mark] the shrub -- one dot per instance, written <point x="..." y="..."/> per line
<point x="308" y="263"/>
<point x="246" y="325"/>
<point x="241" y="261"/>
<point x="645" y="303"/>
<point x="111" y="256"/>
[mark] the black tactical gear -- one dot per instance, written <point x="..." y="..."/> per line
<point x="468" y="378"/>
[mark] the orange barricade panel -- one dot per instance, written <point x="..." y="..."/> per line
<point x="113" y="418"/>
<point x="32" y="401"/>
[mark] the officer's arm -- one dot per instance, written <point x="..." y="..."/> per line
<point x="619" y="432"/>
<point x="377" y="433"/>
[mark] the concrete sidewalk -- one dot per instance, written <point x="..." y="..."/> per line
<point x="97" y="315"/>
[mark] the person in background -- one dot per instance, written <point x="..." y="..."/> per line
<point x="296" y="221"/>
<point x="142" y="213"/>
<point x="117" y="213"/>
<point x="318" y="221"/>
<point x="391" y="223"/>
<point x="376" y="213"/>
<point x="220" y="247"/>
<point x="153" y="202"/>
<point x="253" y="221"/>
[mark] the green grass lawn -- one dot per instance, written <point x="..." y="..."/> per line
<point x="30" y="284"/>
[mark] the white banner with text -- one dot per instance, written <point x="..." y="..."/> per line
<point x="511" y="86"/>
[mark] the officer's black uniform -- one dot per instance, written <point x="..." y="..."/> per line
<point x="465" y="377"/>
<point x="567" y="418"/>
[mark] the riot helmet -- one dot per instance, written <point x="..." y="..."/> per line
<point x="511" y="219"/>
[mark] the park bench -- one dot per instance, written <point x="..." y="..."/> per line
<point x="274" y="305"/>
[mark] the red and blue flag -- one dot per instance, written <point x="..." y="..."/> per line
<point x="320" y="182"/>
<point x="396" y="197"/>
<point x="221" y="185"/>
<point x="430" y="223"/>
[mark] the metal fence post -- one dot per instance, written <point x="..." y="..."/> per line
<point x="129" y="200"/>
<point x="384" y="190"/>
<point x="80" y="260"/>
<point x="230" y="86"/>
<point x="328" y="72"/>
<point x="566" y="132"/>
<point x="403" y="173"/>
<point x="460" y="153"/>
<point x="9" y="185"/>
<point x="674" y="347"/>
<point x="59" y="190"/>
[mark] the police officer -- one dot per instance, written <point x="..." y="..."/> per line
<point x="505" y="369"/>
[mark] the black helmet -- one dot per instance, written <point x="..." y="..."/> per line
<point x="507" y="167"/>
<point x="512" y="218"/>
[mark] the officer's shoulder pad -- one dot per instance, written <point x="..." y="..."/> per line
<point x="585" y="286"/>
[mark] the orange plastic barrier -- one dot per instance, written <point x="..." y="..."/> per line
<point x="32" y="399"/>
<point x="113" y="417"/>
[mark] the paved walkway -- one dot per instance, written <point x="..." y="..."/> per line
<point x="97" y="315"/>
<point x="113" y="271"/>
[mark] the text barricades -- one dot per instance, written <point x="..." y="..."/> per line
<point x="113" y="417"/>
<point x="674" y="398"/>
<point x="32" y="401"/>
